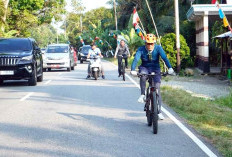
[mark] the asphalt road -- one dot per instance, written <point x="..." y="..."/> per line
<point x="69" y="116"/>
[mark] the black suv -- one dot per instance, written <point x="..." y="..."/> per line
<point x="20" y="58"/>
<point x="84" y="53"/>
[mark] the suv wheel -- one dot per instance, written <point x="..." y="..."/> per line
<point x="1" y="81"/>
<point x="49" y="69"/>
<point x="72" y="68"/>
<point x="33" y="80"/>
<point x="40" y="78"/>
<point x="81" y="61"/>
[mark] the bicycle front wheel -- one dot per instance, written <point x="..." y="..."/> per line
<point x="155" y="113"/>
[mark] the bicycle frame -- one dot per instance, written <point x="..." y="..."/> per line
<point x="122" y="67"/>
<point x="152" y="105"/>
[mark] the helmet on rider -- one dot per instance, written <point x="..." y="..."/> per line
<point x="150" y="38"/>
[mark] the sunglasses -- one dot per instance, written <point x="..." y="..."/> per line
<point x="150" y="44"/>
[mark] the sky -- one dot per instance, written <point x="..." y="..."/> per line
<point x="90" y="4"/>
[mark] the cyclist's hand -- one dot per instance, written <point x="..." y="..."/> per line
<point x="171" y="71"/>
<point x="115" y="57"/>
<point x="134" y="73"/>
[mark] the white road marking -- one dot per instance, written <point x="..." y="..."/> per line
<point x="59" y="74"/>
<point x="183" y="128"/>
<point x="47" y="82"/>
<point x="27" y="96"/>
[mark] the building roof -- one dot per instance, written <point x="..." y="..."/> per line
<point x="198" y="10"/>
<point x="224" y="35"/>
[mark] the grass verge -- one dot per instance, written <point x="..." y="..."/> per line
<point x="212" y="119"/>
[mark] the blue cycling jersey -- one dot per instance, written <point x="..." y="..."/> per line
<point x="150" y="60"/>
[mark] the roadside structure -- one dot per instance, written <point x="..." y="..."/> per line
<point x="201" y="14"/>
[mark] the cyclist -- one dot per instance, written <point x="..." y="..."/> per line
<point x="149" y="54"/>
<point x="123" y="50"/>
<point x="92" y="52"/>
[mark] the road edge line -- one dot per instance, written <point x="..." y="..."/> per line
<point x="194" y="138"/>
<point x="46" y="83"/>
<point x="27" y="96"/>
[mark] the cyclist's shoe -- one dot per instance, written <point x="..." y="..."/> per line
<point x="161" y="117"/>
<point x="103" y="76"/>
<point x="88" y="77"/>
<point x="119" y="75"/>
<point x="126" y="67"/>
<point x="141" y="99"/>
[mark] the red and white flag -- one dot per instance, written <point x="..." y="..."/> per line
<point x="213" y="1"/>
<point x="135" y="17"/>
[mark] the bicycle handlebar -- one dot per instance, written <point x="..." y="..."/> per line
<point x="153" y="74"/>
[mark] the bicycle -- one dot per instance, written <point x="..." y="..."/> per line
<point x="109" y="53"/>
<point x="152" y="104"/>
<point x="122" y="67"/>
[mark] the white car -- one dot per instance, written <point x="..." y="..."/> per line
<point x="43" y="50"/>
<point x="59" y="56"/>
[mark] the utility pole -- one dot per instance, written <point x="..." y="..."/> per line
<point x="177" y="34"/>
<point x="115" y="14"/>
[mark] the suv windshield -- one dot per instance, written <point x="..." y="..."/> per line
<point x="85" y="50"/>
<point x="14" y="45"/>
<point x="57" y="49"/>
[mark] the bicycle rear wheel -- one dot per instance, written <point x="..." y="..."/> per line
<point x="155" y="113"/>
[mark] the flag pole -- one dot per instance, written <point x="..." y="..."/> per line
<point x="152" y="19"/>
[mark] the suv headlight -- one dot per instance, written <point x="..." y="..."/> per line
<point x="82" y="54"/>
<point x="27" y="58"/>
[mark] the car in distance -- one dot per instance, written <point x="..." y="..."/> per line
<point x="20" y="58"/>
<point x="83" y="53"/>
<point x="43" y="50"/>
<point x="59" y="56"/>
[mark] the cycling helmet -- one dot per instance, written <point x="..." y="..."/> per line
<point x="150" y="38"/>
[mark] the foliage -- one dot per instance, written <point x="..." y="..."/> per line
<point x="209" y="118"/>
<point x="134" y="41"/>
<point x="44" y="34"/>
<point x="30" y="13"/>
<point x="217" y="29"/>
<point x="169" y="44"/>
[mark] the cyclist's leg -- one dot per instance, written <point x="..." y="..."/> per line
<point x="126" y="62"/>
<point x="143" y="79"/>
<point x="157" y="85"/>
<point x="119" y="65"/>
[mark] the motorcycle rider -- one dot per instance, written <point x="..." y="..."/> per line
<point x="122" y="50"/>
<point x="92" y="52"/>
<point x="150" y="54"/>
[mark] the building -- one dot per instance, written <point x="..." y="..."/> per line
<point x="201" y="14"/>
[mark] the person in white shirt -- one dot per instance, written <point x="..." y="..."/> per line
<point x="92" y="52"/>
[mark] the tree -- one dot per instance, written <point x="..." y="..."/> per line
<point x="44" y="34"/>
<point x="168" y="43"/>
<point x="31" y="13"/>
<point x="3" y="13"/>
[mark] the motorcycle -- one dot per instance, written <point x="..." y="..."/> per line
<point x="95" y="67"/>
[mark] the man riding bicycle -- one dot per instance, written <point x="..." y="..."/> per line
<point x="121" y="52"/>
<point x="149" y="54"/>
<point x="92" y="52"/>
